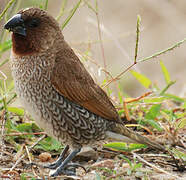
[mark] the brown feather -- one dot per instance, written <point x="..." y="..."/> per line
<point x="72" y="80"/>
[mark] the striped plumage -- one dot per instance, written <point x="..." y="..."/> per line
<point x="70" y="123"/>
<point x="56" y="89"/>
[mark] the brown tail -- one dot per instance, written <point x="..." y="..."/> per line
<point x="123" y="130"/>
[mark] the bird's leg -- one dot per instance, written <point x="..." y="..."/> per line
<point x="57" y="163"/>
<point x="66" y="167"/>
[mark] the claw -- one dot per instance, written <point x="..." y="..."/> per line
<point x="76" y="165"/>
<point x="57" y="163"/>
<point x="64" y="167"/>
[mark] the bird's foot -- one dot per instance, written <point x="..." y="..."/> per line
<point x="53" y="165"/>
<point x="69" y="169"/>
<point x="63" y="165"/>
<point x="58" y="162"/>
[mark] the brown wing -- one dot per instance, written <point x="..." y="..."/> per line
<point x="71" y="79"/>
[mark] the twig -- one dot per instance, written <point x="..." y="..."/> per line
<point x="119" y="75"/>
<point x="21" y="134"/>
<point x="100" y="37"/>
<point x="139" y="125"/>
<point x="163" y="51"/>
<point x="126" y="110"/>
<point x="137" y="38"/>
<point x="144" y="59"/>
<point x="155" y="167"/>
<point x="30" y="160"/>
<point x="156" y="155"/>
<point x="32" y="146"/>
<point x="3" y="120"/>
<point x="138" y="98"/>
<point x="179" y="109"/>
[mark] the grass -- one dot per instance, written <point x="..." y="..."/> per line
<point x="156" y="113"/>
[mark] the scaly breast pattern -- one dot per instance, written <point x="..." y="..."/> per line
<point x="68" y="122"/>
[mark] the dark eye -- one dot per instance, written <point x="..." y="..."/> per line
<point x="33" y="23"/>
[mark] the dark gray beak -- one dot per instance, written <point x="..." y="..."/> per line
<point x="16" y="25"/>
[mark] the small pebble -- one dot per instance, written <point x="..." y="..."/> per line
<point x="44" y="157"/>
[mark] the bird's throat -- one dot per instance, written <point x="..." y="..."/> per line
<point x="21" y="45"/>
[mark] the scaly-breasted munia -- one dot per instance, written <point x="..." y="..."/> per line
<point x="56" y="89"/>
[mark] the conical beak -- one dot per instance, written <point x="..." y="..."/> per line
<point x="16" y="25"/>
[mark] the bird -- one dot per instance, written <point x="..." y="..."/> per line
<point x="59" y="93"/>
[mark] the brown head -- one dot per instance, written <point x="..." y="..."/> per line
<point x="34" y="31"/>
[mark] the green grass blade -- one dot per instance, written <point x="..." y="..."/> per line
<point x="153" y="112"/>
<point x="62" y="10"/>
<point x="6" y="8"/>
<point x="167" y="87"/>
<point x="16" y="110"/>
<point x="154" y="124"/>
<point x="46" y="4"/>
<point x="120" y="146"/>
<point x="146" y="82"/>
<point x="165" y="72"/>
<point x="151" y="115"/>
<point x="71" y="14"/>
<point x="4" y="62"/>
<point x="174" y="97"/>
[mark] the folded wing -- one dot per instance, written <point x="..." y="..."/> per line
<point x="71" y="79"/>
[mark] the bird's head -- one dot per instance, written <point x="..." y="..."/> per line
<point x="34" y="30"/>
